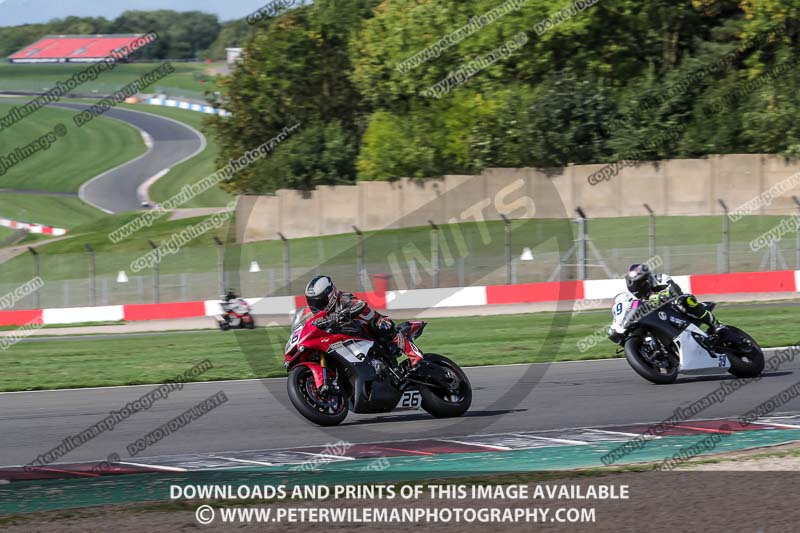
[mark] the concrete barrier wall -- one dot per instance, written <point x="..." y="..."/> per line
<point x="673" y="187"/>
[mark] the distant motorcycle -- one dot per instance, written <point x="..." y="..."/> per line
<point x="661" y="341"/>
<point x="235" y="314"/>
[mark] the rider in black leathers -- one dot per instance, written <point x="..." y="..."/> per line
<point x="351" y="315"/>
<point x="644" y="284"/>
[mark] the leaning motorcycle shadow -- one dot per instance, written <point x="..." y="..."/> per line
<point x="726" y="377"/>
<point x="415" y="417"/>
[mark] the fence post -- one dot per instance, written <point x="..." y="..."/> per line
<point x="37" y="302"/>
<point x="92" y="274"/>
<point x="797" y="238"/>
<point x="582" y="232"/>
<point x="435" y="252"/>
<point x="287" y="266"/>
<point x="726" y="238"/>
<point x="360" y="259"/>
<point x="652" y="233"/>
<point x="509" y="273"/>
<point x="156" y="282"/>
<point x="221" y="264"/>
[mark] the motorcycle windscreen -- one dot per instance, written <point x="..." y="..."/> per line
<point x="301" y="316"/>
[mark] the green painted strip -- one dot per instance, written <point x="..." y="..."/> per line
<point x="25" y="497"/>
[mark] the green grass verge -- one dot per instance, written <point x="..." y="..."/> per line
<point x="73" y="159"/>
<point x="470" y="341"/>
<point x="189" y="80"/>
<point x="192" y="170"/>
<point x="55" y="211"/>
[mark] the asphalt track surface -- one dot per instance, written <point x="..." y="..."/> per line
<point x="115" y="191"/>
<point x="257" y="415"/>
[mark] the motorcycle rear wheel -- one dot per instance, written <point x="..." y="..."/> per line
<point x="323" y="411"/>
<point x="442" y="403"/>
<point x="643" y="367"/>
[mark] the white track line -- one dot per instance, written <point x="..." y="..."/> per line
<point x="493" y="446"/>
<point x="332" y="457"/>
<point x="261" y="463"/>
<point x="551" y="439"/>
<point x="615" y="432"/>
<point x="157" y="467"/>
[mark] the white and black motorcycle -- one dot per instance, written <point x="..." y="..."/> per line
<point x="661" y="341"/>
<point x="235" y="314"/>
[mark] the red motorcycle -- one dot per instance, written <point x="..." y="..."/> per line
<point x="332" y="372"/>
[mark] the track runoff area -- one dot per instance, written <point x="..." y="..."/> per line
<point x="567" y="453"/>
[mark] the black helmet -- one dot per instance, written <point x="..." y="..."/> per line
<point x="639" y="280"/>
<point x="321" y="294"/>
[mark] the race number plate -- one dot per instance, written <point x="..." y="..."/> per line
<point x="411" y="399"/>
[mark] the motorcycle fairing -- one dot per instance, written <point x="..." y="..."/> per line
<point x="693" y="357"/>
<point x="371" y="393"/>
<point x="352" y="350"/>
<point x="671" y="328"/>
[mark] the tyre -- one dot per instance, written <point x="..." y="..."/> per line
<point x="224" y="326"/>
<point x="744" y="353"/>
<point x="323" y="410"/>
<point x="446" y="404"/>
<point x="251" y="324"/>
<point x="641" y="364"/>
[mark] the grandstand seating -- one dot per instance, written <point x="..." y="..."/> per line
<point x="71" y="48"/>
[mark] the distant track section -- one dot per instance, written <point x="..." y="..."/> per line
<point x="115" y="191"/>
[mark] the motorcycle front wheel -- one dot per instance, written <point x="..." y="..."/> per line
<point x="642" y="365"/>
<point x="321" y="409"/>
<point x="443" y="403"/>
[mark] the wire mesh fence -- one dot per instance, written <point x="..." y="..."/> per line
<point x="416" y="258"/>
